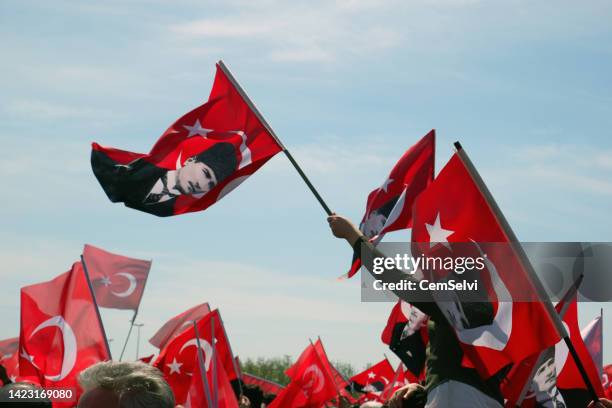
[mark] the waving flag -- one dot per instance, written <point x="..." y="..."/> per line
<point x="178" y="358"/>
<point x="61" y="333"/>
<point x="389" y="207"/>
<point x="592" y="335"/>
<point x="200" y="158"/>
<point x="267" y="386"/>
<point x="9" y="357"/>
<point x="406" y="334"/>
<point x="399" y="380"/>
<point x="374" y="379"/>
<point x="311" y="382"/>
<point x="118" y="281"/>
<point x="178" y="324"/>
<point x="453" y="209"/>
<point x="606" y="381"/>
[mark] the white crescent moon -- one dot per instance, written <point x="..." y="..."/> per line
<point x="318" y="375"/>
<point x="561" y="353"/>
<point x="385" y="380"/>
<point x="130" y="289"/>
<point x="495" y="335"/>
<point x="204" y="345"/>
<point x="70" y="345"/>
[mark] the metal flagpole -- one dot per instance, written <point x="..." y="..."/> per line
<point x="93" y="296"/>
<point x="127" y="338"/>
<point x="202" y="364"/>
<point x="251" y="105"/>
<point x="520" y="252"/>
<point x="138" y="326"/>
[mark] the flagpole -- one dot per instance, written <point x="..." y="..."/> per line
<point x="144" y="285"/>
<point x="201" y="361"/>
<point x="526" y="264"/>
<point x="259" y="116"/>
<point x="93" y="297"/>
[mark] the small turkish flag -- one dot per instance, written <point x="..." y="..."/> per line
<point x="399" y="380"/>
<point x="374" y="379"/>
<point x="178" y="324"/>
<point x="118" y="281"/>
<point x="451" y="210"/>
<point x="61" y="333"/>
<point x="389" y="207"/>
<point x="203" y="156"/>
<point x="311" y="383"/>
<point x="9" y="357"/>
<point x="178" y="358"/>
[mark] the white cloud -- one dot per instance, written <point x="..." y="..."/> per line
<point x="30" y="108"/>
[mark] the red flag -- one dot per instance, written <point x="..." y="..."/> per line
<point x="592" y="335"/>
<point x="374" y="379"/>
<point x="389" y="207"/>
<point x="311" y="383"/>
<point x="399" y="380"/>
<point x="200" y="158"/>
<point x="339" y="381"/>
<point x="9" y="357"/>
<point x="406" y="334"/>
<point x="61" y="333"/>
<point x="147" y="359"/>
<point x="267" y="386"/>
<point x="454" y="209"/>
<point x="177" y="359"/>
<point x="606" y="380"/>
<point x="178" y="324"/>
<point x="196" y="395"/>
<point x="118" y="281"/>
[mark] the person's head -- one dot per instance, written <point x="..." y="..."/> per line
<point x="254" y="394"/>
<point x="545" y="378"/>
<point x="202" y="172"/>
<point x="7" y="401"/>
<point x="124" y="385"/>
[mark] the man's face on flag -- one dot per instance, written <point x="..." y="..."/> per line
<point x="545" y="377"/>
<point x="195" y="177"/>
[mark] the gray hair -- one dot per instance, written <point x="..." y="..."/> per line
<point x="136" y="384"/>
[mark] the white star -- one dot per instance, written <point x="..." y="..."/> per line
<point x="105" y="281"/>
<point x="197" y="129"/>
<point x="371" y="375"/>
<point x="437" y="234"/>
<point x="385" y="185"/>
<point x="175" y="367"/>
<point x="13" y="378"/>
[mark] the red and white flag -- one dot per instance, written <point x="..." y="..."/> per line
<point x="407" y="336"/>
<point x="311" y="382"/>
<point x="606" y="381"/>
<point x="178" y="358"/>
<point x="221" y="396"/>
<point x="9" y="357"/>
<point x="374" y="379"/>
<point x="118" y="281"/>
<point x="389" y="207"/>
<point x="399" y="380"/>
<point x="61" y="333"/>
<point x="199" y="159"/>
<point x="592" y="335"/>
<point x="453" y="209"/>
<point x="178" y="324"/>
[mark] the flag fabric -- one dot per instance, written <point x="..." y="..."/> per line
<point x="147" y="359"/>
<point x="178" y="358"/>
<point x="399" y="380"/>
<point x="267" y="386"/>
<point x="223" y="394"/>
<point x="118" y="281"/>
<point x="374" y="379"/>
<point x="340" y="382"/>
<point x="592" y="335"/>
<point x="389" y="207"/>
<point x="9" y="357"/>
<point x="178" y="324"/>
<point x="406" y="334"/>
<point x="311" y="382"/>
<point x="61" y="333"/>
<point x="199" y="159"/>
<point x="606" y="381"/>
<point x="553" y="374"/>
<point x="452" y="210"/>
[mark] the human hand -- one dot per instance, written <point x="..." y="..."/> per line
<point x="343" y="228"/>
<point x="403" y="393"/>
<point x="602" y="403"/>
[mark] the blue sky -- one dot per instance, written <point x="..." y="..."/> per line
<point x="348" y="86"/>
